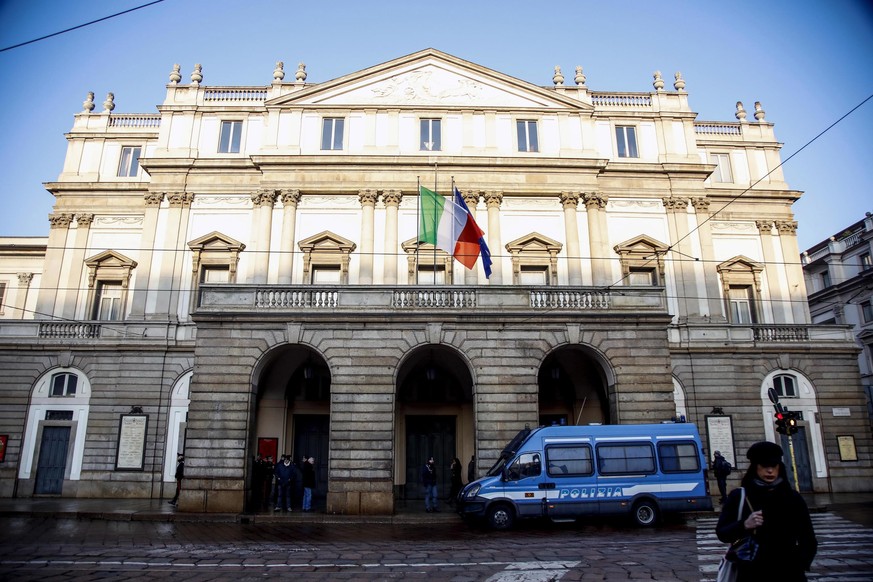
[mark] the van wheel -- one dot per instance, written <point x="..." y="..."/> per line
<point x="500" y="517"/>
<point x="645" y="513"/>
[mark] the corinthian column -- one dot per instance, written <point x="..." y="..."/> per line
<point x="263" y="200"/>
<point x="54" y="262"/>
<point x="152" y="202"/>
<point x="392" y="199"/>
<point x="75" y="262"/>
<point x="493" y="198"/>
<point x="787" y="230"/>
<point x="779" y="304"/>
<point x="595" y="202"/>
<point x="20" y="300"/>
<point x="570" y="202"/>
<point x="471" y="198"/>
<point x="290" y="199"/>
<point x="368" y="198"/>
<point x="714" y="304"/>
<point x="677" y="225"/>
<point x="170" y="278"/>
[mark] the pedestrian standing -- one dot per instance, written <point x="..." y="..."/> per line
<point x="471" y="470"/>
<point x="180" y="474"/>
<point x="284" y="480"/>
<point x="775" y="515"/>
<point x="457" y="484"/>
<point x="429" y="481"/>
<point x="308" y="482"/>
<point x="722" y="468"/>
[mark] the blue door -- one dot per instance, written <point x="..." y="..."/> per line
<point x="52" y="460"/>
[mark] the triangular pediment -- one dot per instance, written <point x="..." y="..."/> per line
<point x="534" y="242"/>
<point x="326" y="241"/>
<point x="740" y="263"/>
<point x="216" y="241"/>
<point x="109" y="259"/>
<point x="429" y="78"/>
<point x="640" y="245"/>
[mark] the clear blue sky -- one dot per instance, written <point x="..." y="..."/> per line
<point x="808" y="63"/>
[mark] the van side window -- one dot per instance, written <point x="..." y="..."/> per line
<point x="574" y="460"/>
<point x="526" y="465"/>
<point x="625" y="459"/>
<point x="679" y="457"/>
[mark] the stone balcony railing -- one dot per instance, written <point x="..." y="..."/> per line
<point x="724" y="334"/>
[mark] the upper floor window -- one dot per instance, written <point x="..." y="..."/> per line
<point x="109" y="301"/>
<point x="867" y="310"/>
<point x="722" y="171"/>
<point x="332" y="133"/>
<point x="642" y="276"/>
<point x="2" y="296"/>
<point x="326" y="274"/>
<point x="64" y="385"/>
<point x="527" y="136"/>
<point x="128" y="167"/>
<point x="785" y="386"/>
<point x="866" y="261"/>
<point x="229" y="139"/>
<point x="825" y="279"/>
<point x="431" y="135"/>
<point x="626" y="141"/>
<point x="534" y="260"/>
<point x="740" y="299"/>
<point x="215" y="274"/>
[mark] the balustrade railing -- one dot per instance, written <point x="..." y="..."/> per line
<point x="781" y="333"/>
<point x="715" y="128"/>
<point x="435" y="298"/>
<point x="71" y="330"/>
<point x="621" y="99"/>
<point x="135" y="120"/>
<point x="294" y="298"/>
<point x="558" y="299"/>
<point x="247" y="94"/>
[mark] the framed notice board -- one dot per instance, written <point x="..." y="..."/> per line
<point x="131" y="442"/>
<point x="720" y="437"/>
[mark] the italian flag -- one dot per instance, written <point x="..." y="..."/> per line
<point x="448" y="224"/>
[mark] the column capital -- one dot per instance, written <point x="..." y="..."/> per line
<point x="675" y="204"/>
<point x="179" y="199"/>
<point x="570" y="199"/>
<point x="60" y="220"/>
<point x="265" y="197"/>
<point x="764" y="226"/>
<point x="595" y="200"/>
<point x="392" y="197"/>
<point x="700" y="204"/>
<point x="471" y="197"/>
<point x="24" y="279"/>
<point x="786" y="226"/>
<point x="289" y="196"/>
<point x="493" y="198"/>
<point x="84" y="219"/>
<point x="153" y="198"/>
<point x="368" y="196"/>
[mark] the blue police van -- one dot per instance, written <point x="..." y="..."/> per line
<point x="568" y="472"/>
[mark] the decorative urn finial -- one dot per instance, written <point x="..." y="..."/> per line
<point x="759" y="111"/>
<point x="176" y="74"/>
<point x="197" y="74"/>
<point x="580" y="78"/>
<point x="658" y="83"/>
<point x="279" y="71"/>
<point x="88" y="103"/>
<point x="741" y="111"/>
<point x="679" y="83"/>
<point x="558" y="77"/>
<point x="300" y="75"/>
<point x="109" y="104"/>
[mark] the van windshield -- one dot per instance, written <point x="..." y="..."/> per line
<point x="508" y="452"/>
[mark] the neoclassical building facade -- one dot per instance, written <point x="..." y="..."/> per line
<point x="241" y="272"/>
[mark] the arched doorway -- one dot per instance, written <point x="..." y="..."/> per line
<point x="434" y="417"/>
<point x="292" y="418"/>
<point x="572" y="389"/>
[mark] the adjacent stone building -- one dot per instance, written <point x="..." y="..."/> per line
<point x="241" y="273"/>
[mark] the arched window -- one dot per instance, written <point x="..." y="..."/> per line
<point x="785" y="386"/>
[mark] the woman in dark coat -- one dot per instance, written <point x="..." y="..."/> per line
<point x="456" y="480"/>
<point x="778" y="519"/>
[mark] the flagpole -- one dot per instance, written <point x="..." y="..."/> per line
<point x="435" y="191"/>
<point x="417" y="224"/>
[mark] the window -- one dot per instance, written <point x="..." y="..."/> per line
<point x="825" y="279"/>
<point x="59" y="415"/>
<point x="678" y="457"/>
<point x="527" y="136"/>
<point x="626" y="459"/>
<point x="526" y="465"/>
<point x="64" y="385"/>
<point x="431" y="274"/>
<point x="534" y="260"/>
<point x="533" y="275"/>
<point x="641" y="277"/>
<point x="332" y="133"/>
<point x="722" y="171"/>
<point x="2" y="296"/>
<point x="740" y="298"/>
<point x="866" y="261"/>
<point x="626" y="140"/>
<point x="430" y="135"/>
<point x="215" y="274"/>
<point x="785" y="386"/>
<point x="109" y="301"/>
<point x="228" y="141"/>
<point x="867" y="310"/>
<point x="128" y="167"/>
<point x="326" y="274"/>
<point x="575" y="460"/>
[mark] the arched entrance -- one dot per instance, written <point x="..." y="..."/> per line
<point x="292" y="418"/>
<point x="572" y="389"/>
<point x="434" y="417"/>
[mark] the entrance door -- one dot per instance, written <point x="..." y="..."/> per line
<point x="52" y="460"/>
<point x="801" y="457"/>
<point x="312" y="438"/>
<point x="429" y="436"/>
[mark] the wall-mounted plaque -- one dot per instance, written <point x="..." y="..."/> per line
<point x="131" y="442"/>
<point x="720" y="437"/>
<point x="847" y="448"/>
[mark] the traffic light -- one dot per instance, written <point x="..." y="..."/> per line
<point x="781" y="424"/>
<point x="790" y="422"/>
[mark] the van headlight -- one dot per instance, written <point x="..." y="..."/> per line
<point x="472" y="491"/>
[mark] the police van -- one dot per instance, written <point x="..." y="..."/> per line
<point x="567" y="472"/>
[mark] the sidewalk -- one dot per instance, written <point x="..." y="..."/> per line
<point x="160" y="510"/>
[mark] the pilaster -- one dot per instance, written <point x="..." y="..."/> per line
<point x="570" y="203"/>
<point x="290" y="198"/>
<point x="59" y="224"/>
<point x="493" y="199"/>
<point x="368" y="198"/>
<point x="392" y="199"/>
